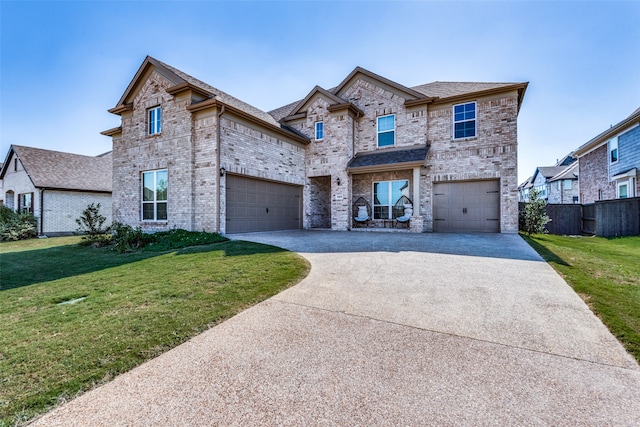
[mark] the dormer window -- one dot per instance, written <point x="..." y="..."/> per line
<point x="319" y="130"/>
<point x="154" y="119"/>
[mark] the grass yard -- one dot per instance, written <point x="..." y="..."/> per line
<point x="74" y="317"/>
<point x="605" y="273"/>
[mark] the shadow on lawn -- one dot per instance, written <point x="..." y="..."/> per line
<point x="18" y="269"/>
<point x="545" y="253"/>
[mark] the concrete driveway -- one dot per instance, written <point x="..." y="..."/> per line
<point x="389" y="329"/>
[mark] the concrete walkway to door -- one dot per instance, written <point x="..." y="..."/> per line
<point x="389" y="329"/>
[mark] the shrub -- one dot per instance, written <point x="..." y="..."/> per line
<point x="91" y="225"/>
<point x="128" y="239"/>
<point x="534" y="216"/>
<point x="16" y="226"/>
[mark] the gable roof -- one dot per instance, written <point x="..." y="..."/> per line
<point x="397" y="86"/>
<point x="183" y="80"/>
<point x="426" y="93"/>
<point x="64" y="171"/>
<point x="569" y="172"/>
<point x="528" y="183"/>
<point x="592" y="144"/>
<point x="549" y="171"/>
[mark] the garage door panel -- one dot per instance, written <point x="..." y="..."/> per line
<point x="469" y="206"/>
<point x="258" y="205"/>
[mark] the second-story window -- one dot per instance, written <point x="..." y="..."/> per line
<point x="387" y="130"/>
<point x="319" y="130"/>
<point x="464" y="120"/>
<point x="613" y="150"/>
<point x="154" y="119"/>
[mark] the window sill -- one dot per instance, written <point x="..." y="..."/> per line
<point x="471" y="138"/>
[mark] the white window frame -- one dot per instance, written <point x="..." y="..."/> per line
<point x="475" y="120"/>
<point x="391" y="201"/>
<point x="623" y="184"/>
<point x="319" y="130"/>
<point x="154" y="120"/>
<point x="155" y="200"/>
<point x="613" y="146"/>
<point x="378" y="131"/>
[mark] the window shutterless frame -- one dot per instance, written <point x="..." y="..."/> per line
<point x="465" y="120"/>
<point x="613" y="151"/>
<point x="386" y="129"/>
<point x="154" y="195"/>
<point x="154" y="120"/>
<point x="385" y="196"/>
<point x="319" y="130"/>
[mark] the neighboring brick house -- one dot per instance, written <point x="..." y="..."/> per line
<point x="56" y="187"/>
<point x="609" y="163"/>
<point x="557" y="184"/>
<point x="188" y="155"/>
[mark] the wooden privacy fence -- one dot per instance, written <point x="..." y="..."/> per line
<point x="605" y="218"/>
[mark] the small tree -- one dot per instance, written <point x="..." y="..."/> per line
<point x="91" y="224"/>
<point x="535" y="215"/>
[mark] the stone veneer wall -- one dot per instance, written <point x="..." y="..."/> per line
<point x="491" y="154"/>
<point x="593" y="172"/>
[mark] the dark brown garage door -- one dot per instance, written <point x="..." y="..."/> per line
<point x="256" y="205"/>
<point x="466" y="207"/>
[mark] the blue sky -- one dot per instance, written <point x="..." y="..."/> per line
<point x="64" y="64"/>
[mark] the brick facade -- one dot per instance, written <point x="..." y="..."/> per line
<point x="196" y="143"/>
<point x="594" y="179"/>
<point x="62" y="208"/>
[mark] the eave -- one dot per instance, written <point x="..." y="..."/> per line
<point x="384" y="168"/>
<point x="215" y="103"/>
<point x="112" y="131"/>
<point x="121" y="108"/>
<point x="520" y="87"/>
<point x="631" y="121"/>
<point x="174" y="90"/>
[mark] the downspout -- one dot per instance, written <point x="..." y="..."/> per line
<point x="218" y="172"/>
<point x="42" y="212"/>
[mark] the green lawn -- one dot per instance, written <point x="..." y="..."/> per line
<point x="605" y="273"/>
<point x="133" y="307"/>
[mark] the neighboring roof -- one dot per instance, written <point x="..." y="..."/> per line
<point x="399" y="157"/>
<point x="64" y="171"/>
<point x="570" y="172"/>
<point x="566" y="160"/>
<point x="528" y="183"/>
<point x="633" y="119"/>
<point x="550" y="171"/>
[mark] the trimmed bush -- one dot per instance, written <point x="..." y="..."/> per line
<point x="16" y="226"/>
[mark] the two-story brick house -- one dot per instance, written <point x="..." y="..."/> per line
<point x="188" y="155"/>
<point x="609" y="162"/>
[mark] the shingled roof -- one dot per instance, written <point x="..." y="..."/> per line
<point x="64" y="171"/>
<point x="398" y="157"/>
<point x="436" y="91"/>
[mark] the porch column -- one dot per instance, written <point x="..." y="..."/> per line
<point x="416" y="191"/>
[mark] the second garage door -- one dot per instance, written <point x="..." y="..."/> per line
<point x="257" y="205"/>
<point x="467" y="207"/>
